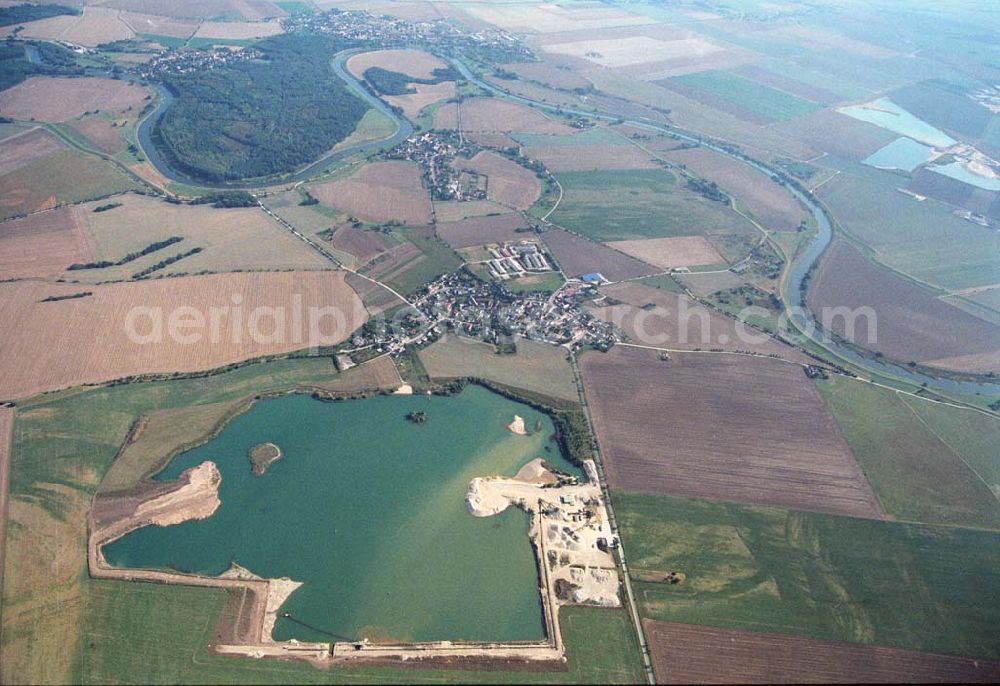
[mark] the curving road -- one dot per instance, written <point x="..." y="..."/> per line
<point x="800" y="267"/>
<point x="403" y="131"/>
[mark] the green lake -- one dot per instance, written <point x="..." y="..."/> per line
<point x="367" y="509"/>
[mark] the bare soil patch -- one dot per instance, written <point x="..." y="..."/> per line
<point x="507" y="183"/>
<point x="56" y="98"/>
<point x="767" y="201"/>
<point x="495" y="114"/>
<point x="577" y="255"/>
<point x="750" y="430"/>
<point x="679" y="251"/>
<point x="482" y="230"/>
<point x="911" y="324"/>
<point x="380" y="191"/>
<point x="691" y="654"/>
<point x="41" y="245"/>
<point x="94" y="327"/>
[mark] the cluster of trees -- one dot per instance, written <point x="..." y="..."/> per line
<point x="110" y="205"/>
<point x="131" y="257"/>
<point x="15" y="66"/>
<point x="20" y="14"/>
<point x="386" y="82"/>
<point x="165" y="263"/>
<point x="258" y="117"/>
<point x="708" y="189"/>
<point x="225" y="199"/>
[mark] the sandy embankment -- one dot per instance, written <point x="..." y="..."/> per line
<point x="517" y="426"/>
<point x="197" y="499"/>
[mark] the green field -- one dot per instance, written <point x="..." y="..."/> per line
<point x="549" y="281"/>
<point x="927" y="462"/>
<point x="910" y="586"/>
<point x="60" y="626"/>
<point x="437" y="258"/>
<point x="635" y="204"/>
<point x="764" y="101"/>
<point x="923" y="239"/>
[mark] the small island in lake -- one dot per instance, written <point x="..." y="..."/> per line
<point x="417" y="417"/>
<point x="262" y="456"/>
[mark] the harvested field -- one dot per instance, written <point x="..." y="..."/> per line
<point x="625" y="52"/>
<point x="770" y="203"/>
<point x="363" y="244"/>
<point x="493" y="115"/>
<point x="750" y="430"/>
<point x="577" y="255"/>
<point x="666" y="253"/>
<point x="392" y="261"/>
<point x="507" y="183"/>
<point x="249" y="10"/>
<point x="837" y="134"/>
<point x="376" y="298"/>
<point x="101" y="133"/>
<point x="690" y="654"/>
<point x="539" y="368"/>
<point x="555" y="76"/>
<point x="787" y="84"/>
<point x="955" y="193"/>
<point x="238" y="30"/>
<point x="911" y="324"/>
<point x="94" y="327"/>
<point x="56" y="98"/>
<point x="740" y="97"/>
<point x="591" y="157"/>
<point x="41" y="245"/>
<point x="23" y="149"/>
<point x="380" y="192"/>
<point x="454" y="210"/>
<point x="482" y="230"/>
<point x="552" y="18"/>
<point x="414" y="63"/>
<point x="231" y="239"/>
<point x="703" y="285"/>
<point x="682" y="323"/>
<point x="158" y="25"/>
<point x="426" y="94"/>
<point x="95" y="26"/>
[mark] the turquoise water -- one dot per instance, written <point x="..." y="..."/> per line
<point x="367" y="509"/>
<point x="902" y="153"/>
<point x="957" y="171"/>
<point x="887" y="114"/>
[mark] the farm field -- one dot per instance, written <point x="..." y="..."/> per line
<point x="380" y="192"/>
<point x="433" y="258"/>
<point x="236" y="30"/>
<point x="829" y="131"/>
<point x="415" y="63"/>
<point x="577" y="255"/>
<point x="923" y="239"/>
<point x="454" y="210"/>
<point x="507" y="183"/>
<point x="41" y="245"/>
<point x="590" y="150"/>
<point x="749" y="430"/>
<point x="492" y="115"/>
<point x="679" y="322"/>
<point x="636" y="204"/>
<point x="475" y="231"/>
<point x="767" y="201"/>
<point x="538" y="368"/>
<point x="680" y="251"/>
<point x="94" y="26"/>
<point x="159" y="25"/>
<point x="231" y="239"/>
<point x="553" y="18"/>
<point x="94" y="326"/>
<point x="426" y="95"/>
<point x="101" y="133"/>
<point x="909" y="323"/>
<point x="633" y="50"/>
<point x="927" y="462"/>
<point x="688" y="654"/>
<point x="55" y="98"/>
<point x="547" y="74"/>
<point x="363" y="244"/>
<point x="812" y="575"/>
<point x="248" y="10"/>
<point x="741" y="97"/>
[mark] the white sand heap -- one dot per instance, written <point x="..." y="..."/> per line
<point x="517" y="426"/>
<point x="197" y="499"/>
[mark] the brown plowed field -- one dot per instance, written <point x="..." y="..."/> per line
<point x="681" y="323"/>
<point x="495" y="114"/>
<point x="507" y="183"/>
<point x="577" y="255"/>
<point x="690" y="654"/>
<point x="482" y="230"/>
<point x="41" y="245"/>
<point x="363" y="244"/>
<point x="415" y="63"/>
<point x="767" y="201"/>
<point x="380" y="191"/>
<point x="837" y="134"/>
<point x="106" y="138"/>
<point x="912" y="324"/>
<point x="50" y="345"/>
<point x="724" y="427"/>
<point x="678" y="251"/>
<point x="56" y="98"/>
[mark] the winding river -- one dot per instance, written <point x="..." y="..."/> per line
<point x="403" y="131"/>
<point x="793" y="278"/>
